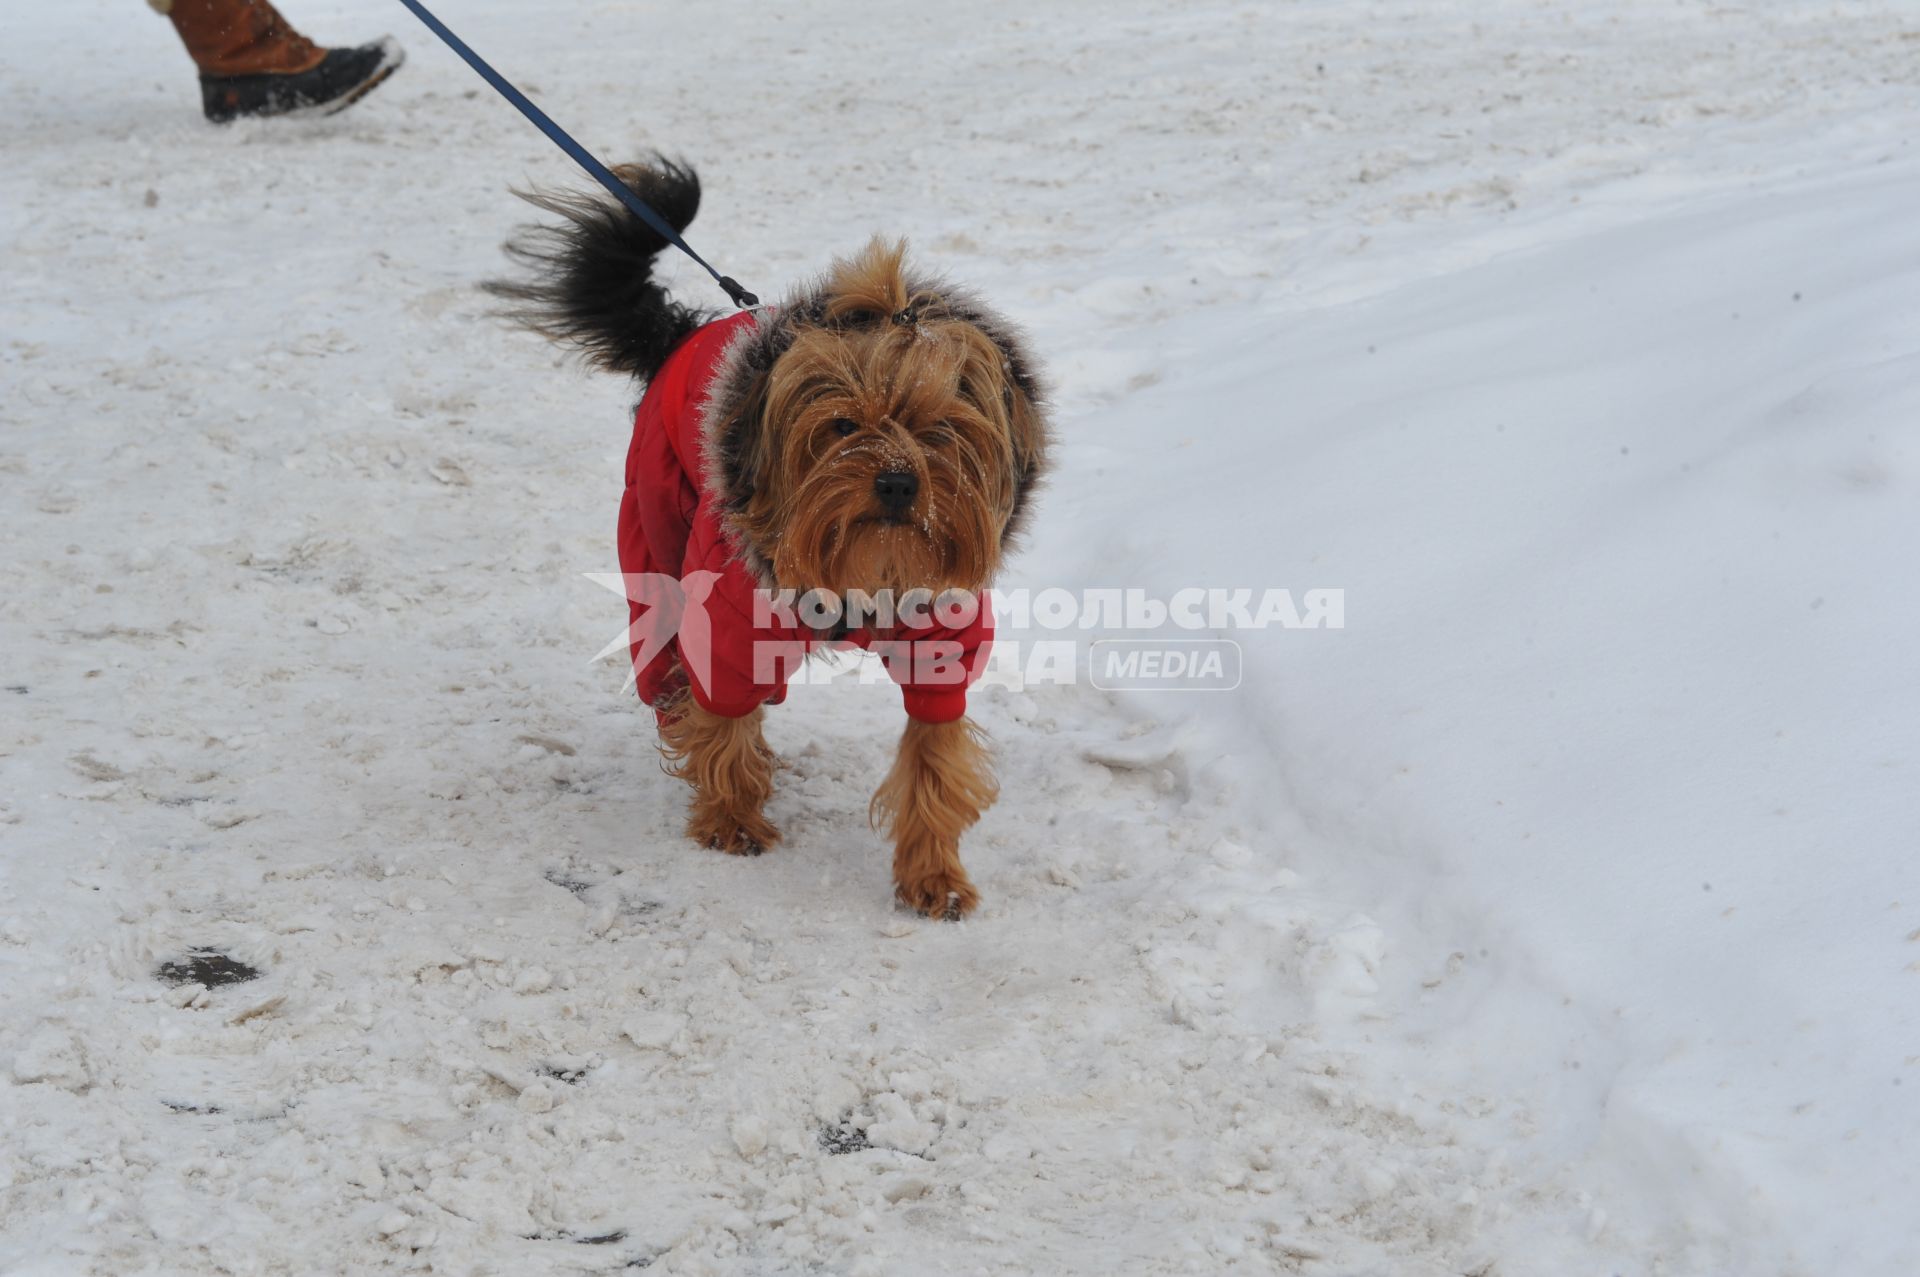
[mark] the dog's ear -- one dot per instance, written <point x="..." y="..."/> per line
<point x="744" y="444"/>
<point x="744" y="469"/>
<point x="1027" y="426"/>
<point x="1023" y="397"/>
<point x="736" y="439"/>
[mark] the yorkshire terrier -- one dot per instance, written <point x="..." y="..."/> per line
<point x="872" y="441"/>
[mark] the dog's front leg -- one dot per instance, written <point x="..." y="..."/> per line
<point x="730" y="766"/>
<point x="942" y="779"/>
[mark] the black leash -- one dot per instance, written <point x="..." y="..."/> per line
<point x="581" y="156"/>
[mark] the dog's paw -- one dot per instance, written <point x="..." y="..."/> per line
<point x="949" y="897"/>
<point x="732" y="833"/>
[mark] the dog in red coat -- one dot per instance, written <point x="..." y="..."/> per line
<point x="866" y="447"/>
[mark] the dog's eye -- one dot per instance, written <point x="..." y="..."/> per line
<point x="843" y="427"/>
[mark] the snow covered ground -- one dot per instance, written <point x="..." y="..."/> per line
<point x="1555" y="916"/>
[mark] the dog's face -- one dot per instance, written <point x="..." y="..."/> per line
<point x="890" y="445"/>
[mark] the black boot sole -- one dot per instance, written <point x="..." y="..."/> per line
<point x="341" y="79"/>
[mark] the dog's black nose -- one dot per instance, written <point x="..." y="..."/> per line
<point x="896" y="489"/>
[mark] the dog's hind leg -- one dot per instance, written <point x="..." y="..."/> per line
<point x="942" y="780"/>
<point x="730" y="766"/>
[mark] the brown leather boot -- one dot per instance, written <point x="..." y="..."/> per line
<point x="241" y="37"/>
<point x="252" y="62"/>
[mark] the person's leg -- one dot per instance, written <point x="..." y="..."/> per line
<point x="240" y="37"/>
<point x="253" y="62"/>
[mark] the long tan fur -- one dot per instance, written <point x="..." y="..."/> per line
<point x="941" y="782"/>
<point x="890" y="382"/>
<point x="730" y="766"/>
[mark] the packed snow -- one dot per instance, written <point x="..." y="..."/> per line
<point x="1558" y="914"/>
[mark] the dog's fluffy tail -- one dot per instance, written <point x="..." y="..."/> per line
<point x="590" y="279"/>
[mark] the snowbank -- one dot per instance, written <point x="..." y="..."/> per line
<point x="1615" y="754"/>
